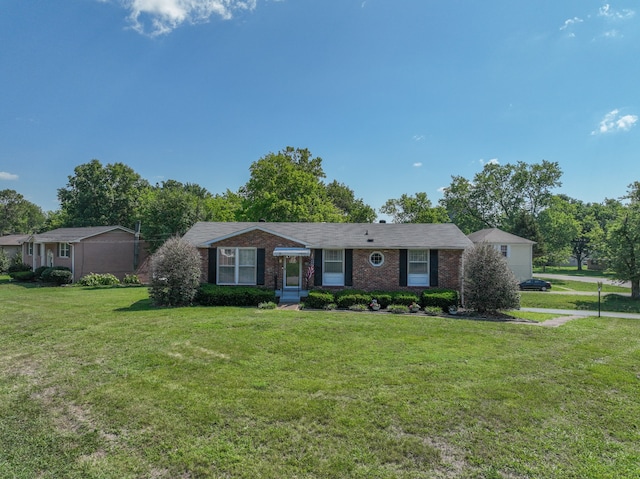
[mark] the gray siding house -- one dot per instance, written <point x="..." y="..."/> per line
<point x="517" y="251"/>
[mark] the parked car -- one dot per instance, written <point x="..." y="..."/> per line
<point x="535" y="284"/>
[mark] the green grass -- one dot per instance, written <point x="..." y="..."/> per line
<point x="563" y="286"/>
<point x="609" y="302"/>
<point x="96" y="383"/>
<point x="572" y="271"/>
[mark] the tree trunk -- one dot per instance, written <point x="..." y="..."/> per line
<point x="635" y="289"/>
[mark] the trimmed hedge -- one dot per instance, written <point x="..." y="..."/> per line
<point x="319" y="299"/>
<point x="24" y="276"/>
<point x="404" y="298"/>
<point x="441" y="298"/>
<point x="213" y="295"/>
<point x="98" y="279"/>
<point x="345" y="301"/>
<point x="56" y="274"/>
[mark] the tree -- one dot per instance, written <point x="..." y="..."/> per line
<point x="623" y="242"/>
<point x="489" y="283"/>
<point x="175" y="273"/>
<point x="98" y="195"/>
<point x="499" y="193"/>
<point x="414" y="209"/>
<point x="353" y="210"/>
<point x="287" y="186"/>
<point x="18" y="215"/>
<point x="171" y="208"/>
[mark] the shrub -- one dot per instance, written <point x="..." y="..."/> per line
<point x="60" y="276"/>
<point x="52" y="275"/>
<point x="18" y="266"/>
<point x="489" y="283"/>
<point x="318" y="299"/>
<point x="440" y="298"/>
<point x="4" y="261"/>
<point x="213" y="295"/>
<point x="95" y="279"/>
<point x="23" y="276"/>
<point x="131" y="279"/>
<point x="345" y="301"/>
<point x="39" y="270"/>
<point x="433" y="310"/>
<point x="384" y="299"/>
<point x="398" y="308"/>
<point x="405" y="298"/>
<point x="175" y="273"/>
<point x="267" y="305"/>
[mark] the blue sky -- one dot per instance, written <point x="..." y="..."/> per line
<point x="395" y="96"/>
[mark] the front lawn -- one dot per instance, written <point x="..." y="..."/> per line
<point x="96" y="383"/>
<point x="563" y="286"/>
<point x="609" y="302"/>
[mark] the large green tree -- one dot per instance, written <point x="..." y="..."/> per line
<point x="497" y="196"/>
<point x="414" y="209"/>
<point x="98" y="195"/>
<point x="354" y="210"/>
<point x="623" y="241"/>
<point x="18" y="215"/>
<point x="171" y="208"/>
<point x="288" y="186"/>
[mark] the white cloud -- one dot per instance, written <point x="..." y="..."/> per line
<point x="607" y="12"/>
<point x="7" y="176"/>
<point x="418" y="137"/>
<point x="492" y="161"/>
<point x="570" y="22"/>
<point x="418" y="164"/>
<point x="614" y="121"/>
<point x="160" y="17"/>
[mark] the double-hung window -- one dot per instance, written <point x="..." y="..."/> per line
<point x="418" y="267"/>
<point x="63" y="250"/>
<point x="333" y="267"/>
<point x="504" y="250"/>
<point x="30" y="248"/>
<point x="237" y="266"/>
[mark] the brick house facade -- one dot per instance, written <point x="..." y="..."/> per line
<point x="303" y="256"/>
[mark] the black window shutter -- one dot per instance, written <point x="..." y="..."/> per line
<point x="260" y="258"/>
<point x="213" y="265"/>
<point x="404" y="257"/>
<point x="433" y="268"/>
<point x="317" y="267"/>
<point x="348" y="267"/>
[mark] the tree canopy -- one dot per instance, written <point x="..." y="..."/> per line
<point x="414" y="209"/>
<point x="498" y="194"/>
<point x="98" y="195"/>
<point x="287" y="186"/>
<point x="18" y="215"/>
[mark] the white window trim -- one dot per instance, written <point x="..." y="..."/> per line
<point x="30" y="248"/>
<point x="237" y="266"/>
<point x="332" y="279"/>
<point x="417" y="279"/>
<point x="508" y="248"/>
<point x="381" y="256"/>
<point x="67" y="248"/>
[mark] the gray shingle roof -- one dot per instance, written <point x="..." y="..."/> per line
<point x="340" y="235"/>
<point x="13" y="240"/>
<point x="495" y="235"/>
<point x="73" y="235"/>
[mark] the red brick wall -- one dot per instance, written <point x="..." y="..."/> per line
<point x="365" y="276"/>
<point x="256" y="239"/>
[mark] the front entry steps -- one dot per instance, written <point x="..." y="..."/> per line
<point x="291" y="297"/>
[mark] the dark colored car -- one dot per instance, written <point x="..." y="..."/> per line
<point x="535" y="284"/>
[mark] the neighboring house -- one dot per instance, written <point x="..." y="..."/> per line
<point x="517" y="251"/>
<point x="12" y="244"/>
<point x="292" y="258"/>
<point x="94" y="249"/>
